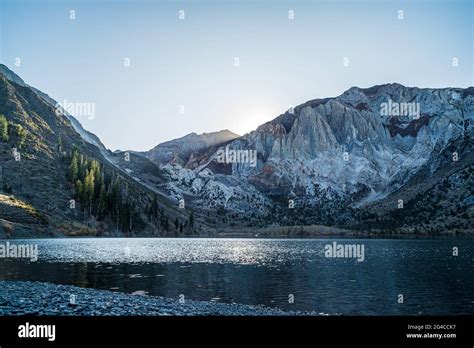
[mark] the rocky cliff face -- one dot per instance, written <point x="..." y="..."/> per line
<point x="338" y="155"/>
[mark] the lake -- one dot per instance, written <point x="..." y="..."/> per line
<point x="290" y="274"/>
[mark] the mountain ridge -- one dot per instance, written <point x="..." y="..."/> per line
<point x="301" y="151"/>
<point x="39" y="195"/>
<point x="178" y="150"/>
<point x="340" y="161"/>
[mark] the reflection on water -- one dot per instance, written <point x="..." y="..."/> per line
<point x="266" y="272"/>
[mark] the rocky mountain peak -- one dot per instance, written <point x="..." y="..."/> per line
<point x="11" y="76"/>
<point x="179" y="150"/>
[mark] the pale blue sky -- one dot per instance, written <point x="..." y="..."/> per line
<point x="190" y="62"/>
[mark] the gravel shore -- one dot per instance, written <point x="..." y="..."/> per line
<point x="34" y="298"/>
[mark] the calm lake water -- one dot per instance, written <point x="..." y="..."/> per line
<point x="266" y="272"/>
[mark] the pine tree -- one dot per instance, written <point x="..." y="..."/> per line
<point x="74" y="167"/>
<point x="89" y="189"/>
<point x="125" y="216"/>
<point x="79" y="189"/>
<point x="81" y="164"/>
<point x="3" y="128"/>
<point x="115" y="200"/>
<point x="95" y="169"/>
<point x="20" y="132"/>
<point x="102" y="206"/>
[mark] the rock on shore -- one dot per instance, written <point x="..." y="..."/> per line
<point x="35" y="298"/>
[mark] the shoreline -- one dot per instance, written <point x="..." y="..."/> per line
<point x="21" y="231"/>
<point x="19" y="298"/>
<point x="247" y="237"/>
<point x="280" y="238"/>
<point x="270" y="232"/>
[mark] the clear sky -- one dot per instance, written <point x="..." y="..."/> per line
<point x="190" y="62"/>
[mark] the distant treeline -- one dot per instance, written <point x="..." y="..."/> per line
<point x="100" y="193"/>
<point x="103" y="195"/>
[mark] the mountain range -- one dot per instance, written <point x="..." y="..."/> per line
<point x="385" y="159"/>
